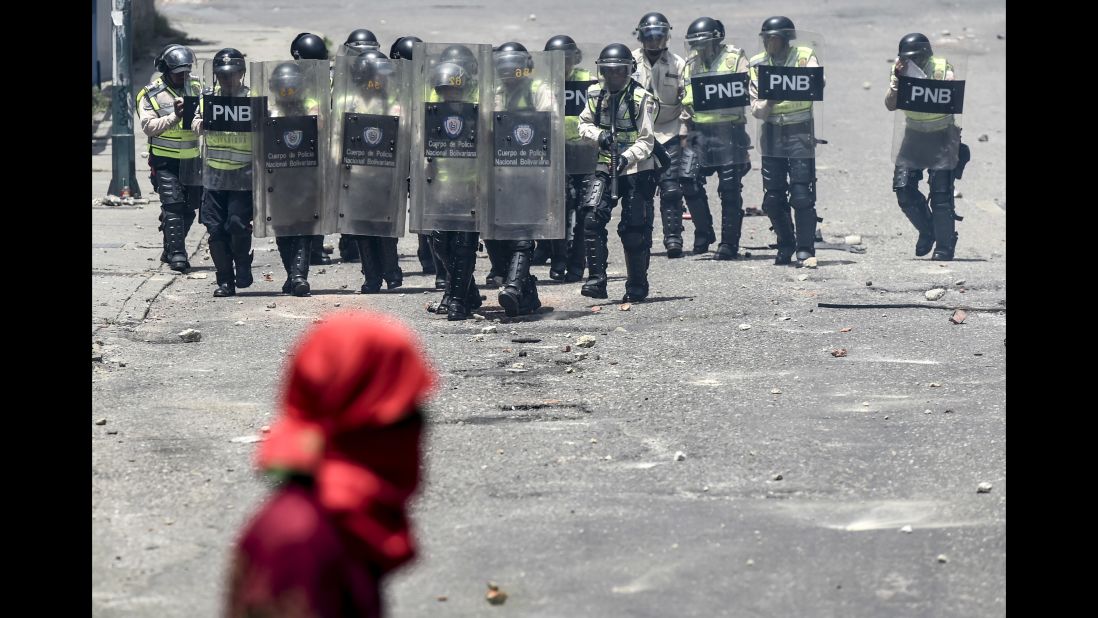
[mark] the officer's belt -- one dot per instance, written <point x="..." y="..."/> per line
<point x="791" y="118"/>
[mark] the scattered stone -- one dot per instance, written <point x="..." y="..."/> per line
<point x="265" y="429"/>
<point x="487" y="330"/>
<point x="101" y="421"/>
<point x="942" y="558"/>
<point x="866" y="85"/>
<point x="775" y="391"/>
<point x="802" y="277"/>
<point x="906" y="529"/>
<point x="607" y="458"/>
<point x="522" y="353"/>
<point x="586" y="341"/>
<point x="750" y="562"/>
<point x="570" y="370"/>
<point x="441" y="598"/>
<point x="935" y="384"/>
<point x="190" y="335"/>
<point x="1000" y="36"/>
<point x="982" y="138"/>
<point x="959" y="282"/>
<point x="680" y="456"/>
<point x="581" y="355"/>
<point x="957" y="194"/>
<point x="478" y="317"/>
<point x="525" y="340"/>
<point x="865" y="403"/>
<point x="928" y="411"/>
<point x="853" y="239"/>
<point x="784" y="318"/>
<point x="532" y="17"/>
<point x="945" y="32"/>
<point x="811" y="262"/>
<point x="868" y="284"/>
<point x="625" y="307"/>
<point x="846" y="330"/>
<point x="565" y="348"/>
<point x="247" y="439"/>
<point x="983" y="488"/>
<point x="198" y="276"/>
<point x="777" y="477"/>
<point x="240" y="302"/>
<point x="270" y="305"/>
<point x="596" y="309"/>
<point x="745" y="327"/>
<point x="495" y="596"/>
<point x="958" y="316"/>
<point x="239" y="323"/>
<point x="594" y="441"/>
<point x="620" y="330"/>
<point x="839" y="353"/>
<point x="479" y="337"/>
<point x="935" y="294"/>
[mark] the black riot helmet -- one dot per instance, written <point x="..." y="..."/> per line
<point x="780" y="26"/>
<point x="915" y="47"/>
<point x="705" y="31"/>
<point x="572" y="54"/>
<point x="653" y="31"/>
<point x="228" y="60"/>
<point x="308" y="46"/>
<point x="615" y="65"/>
<point x="359" y="41"/>
<point x="287" y="83"/>
<point x="450" y="81"/>
<point x="371" y="70"/>
<point x="512" y="61"/>
<point x="175" y="58"/>
<point x="462" y="56"/>
<point x="402" y="47"/>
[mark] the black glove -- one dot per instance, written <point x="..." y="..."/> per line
<point x="622" y="164"/>
<point x="604" y="140"/>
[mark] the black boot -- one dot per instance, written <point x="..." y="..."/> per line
<point x="530" y="301"/>
<point x="671" y="215"/>
<point x="703" y="223"/>
<point x="463" y="258"/>
<point x="731" y="225"/>
<point x="285" y="246"/>
<point x="511" y="296"/>
<point x="595" y="248"/>
<point x="782" y="223"/>
<point x="222" y="257"/>
<point x="945" y="235"/>
<point x="440" y="254"/>
<point x="426" y="257"/>
<point x="542" y="252"/>
<point x="175" y="242"/>
<point x="805" y="232"/>
<point x="558" y="259"/>
<point x="389" y="260"/>
<point x="241" y="246"/>
<point x="498" y="257"/>
<point x="636" y="280"/>
<point x="348" y="248"/>
<point x="371" y="268"/>
<point x="299" y="268"/>
<point x="577" y="257"/>
<point x="919" y="216"/>
<point x="317" y="255"/>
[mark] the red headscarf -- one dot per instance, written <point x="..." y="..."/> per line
<point x="353" y="380"/>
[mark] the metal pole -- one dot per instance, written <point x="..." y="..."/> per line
<point x="123" y="174"/>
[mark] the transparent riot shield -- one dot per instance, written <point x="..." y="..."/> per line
<point x="371" y="116"/>
<point x="190" y="170"/>
<point x="527" y="135"/>
<point x="793" y="80"/>
<point x="290" y="149"/>
<point x="451" y="136"/>
<point x="580" y="155"/>
<point x="930" y="101"/>
<point x="229" y="118"/>
<point x="717" y="93"/>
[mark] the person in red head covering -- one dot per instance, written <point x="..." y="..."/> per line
<point x="347" y="448"/>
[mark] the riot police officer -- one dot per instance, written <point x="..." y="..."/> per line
<point x="227" y="200"/>
<point x="402" y="48"/>
<point x="718" y="137"/>
<point x="173" y="150"/>
<point x="619" y="116"/>
<point x="661" y="72"/>
<point x="308" y="46"/>
<point x="517" y="91"/>
<point x="931" y="141"/>
<point x="567" y="259"/>
<point x="788" y="144"/>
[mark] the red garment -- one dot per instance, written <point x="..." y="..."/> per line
<point x="348" y="421"/>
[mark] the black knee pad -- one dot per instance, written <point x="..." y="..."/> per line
<point x="903" y="179"/>
<point x="802" y="196"/>
<point x="170" y="190"/>
<point x="773" y="200"/>
<point x="670" y="190"/>
<point x="802" y="171"/>
<point x="692" y="188"/>
<point x="909" y="197"/>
